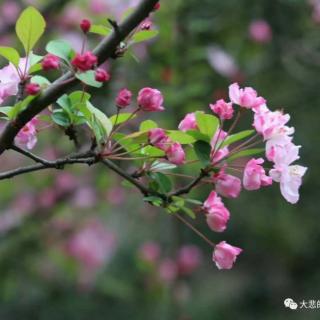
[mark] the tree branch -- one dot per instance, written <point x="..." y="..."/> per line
<point x="58" y="164"/>
<point x="103" y="51"/>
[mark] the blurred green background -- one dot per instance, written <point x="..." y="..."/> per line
<point x="47" y="218"/>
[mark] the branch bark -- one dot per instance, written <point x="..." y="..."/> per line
<point x="103" y="51"/>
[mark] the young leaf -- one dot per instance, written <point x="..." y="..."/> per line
<point x="198" y="135"/>
<point x="207" y="123"/>
<point x="10" y="54"/>
<point x="30" y="27"/>
<point x="236" y="137"/>
<point x="189" y="212"/>
<point x="100" y="29"/>
<point x="122" y="117"/>
<point x="203" y="150"/>
<point x="88" y="78"/>
<point x="144" y="35"/>
<point x="61" y="118"/>
<point x="61" y="49"/>
<point x="101" y="117"/>
<point x="181" y="137"/>
<point x="164" y="182"/>
<point x="147" y="125"/>
<point x="42" y="81"/>
<point x="246" y="153"/>
<point x="162" y="166"/>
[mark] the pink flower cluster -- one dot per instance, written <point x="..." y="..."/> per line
<point x="174" y="151"/>
<point x="280" y="150"/>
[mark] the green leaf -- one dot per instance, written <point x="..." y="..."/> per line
<point x="181" y="137"/>
<point x="61" y="49"/>
<point x="246" y="153"/>
<point x="122" y="117"/>
<point x="203" y="150"/>
<point x="162" y="166"/>
<point x="88" y="78"/>
<point x="236" y="137"/>
<point x="17" y="108"/>
<point x="101" y="117"/>
<point x="61" y="118"/>
<point x="207" y="123"/>
<point x="154" y="200"/>
<point x="30" y="27"/>
<point x="34" y="59"/>
<point x="147" y="125"/>
<point x="189" y="212"/>
<point x="193" y="201"/>
<point x="10" y="54"/>
<point x="152" y="151"/>
<point x="198" y="136"/>
<point x="100" y="29"/>
<point x="164" y="182"/>
<point x="35" y="68"/>
<point x="144" y="35"/>
<point x="42" y="81"/>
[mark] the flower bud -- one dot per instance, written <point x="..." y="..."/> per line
<point x="124" y="98"/>
<point x="33" y="89"/>
<point x="50" y="61"/>
<point x="150" y="100"/>
<point x="85" y="25"/>
<point x="102" y="75"/>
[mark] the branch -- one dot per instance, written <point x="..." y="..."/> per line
<point x="58" y="164"/>
<point x="103" y="51"/>
<point x="129" y="178"/>
<point x="204" y="173"/>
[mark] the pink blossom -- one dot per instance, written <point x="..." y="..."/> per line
<point x="124" y="98"/>
<point x="217" y="214"/>
<point x="189" y="122"/>
<point x="254" y="175"/>
<point x="9" y="80"/>
<point x="225" y="255"/>
<point x="150" y="252"/>
<point x="227" y="185"/>
<point x="175" y="153"/>
<point x="270" y="124"/>
<point x="189" y="259"/>
<point x="218" y="153"/>
<point x="290" y="178"/>
<point x="92" y="245"/>
<point x="168" y="270"/>
<point x="157" y="136"/>
<point x="150" y="100"/>
<point x="50" y="61"/>
<point x="223" y="109"/>
<point x="27" y="136"/>
<point x="85" y="61"/>
<point x="281" y="151"/>
<point x="247" y="97"/>
<point x="260" y="31"/>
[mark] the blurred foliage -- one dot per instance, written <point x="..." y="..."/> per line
<point x="281" y="242"/>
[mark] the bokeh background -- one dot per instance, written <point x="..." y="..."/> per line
<point x="76" y="244"/>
